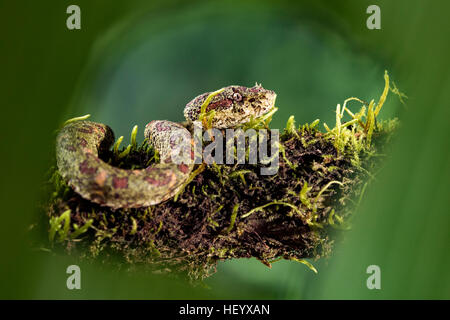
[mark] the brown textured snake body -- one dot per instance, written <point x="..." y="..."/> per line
<point x="79" y="143"/>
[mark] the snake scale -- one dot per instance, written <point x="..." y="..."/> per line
<point x="79" y="143"/>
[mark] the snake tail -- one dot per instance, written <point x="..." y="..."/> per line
<point x="78" y="146"/>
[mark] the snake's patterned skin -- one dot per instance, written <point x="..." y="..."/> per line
<point x="78" y="145"/>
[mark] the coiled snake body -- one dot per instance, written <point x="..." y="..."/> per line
<point x="78" y="145"/>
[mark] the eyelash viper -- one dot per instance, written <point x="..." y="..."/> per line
<point x="79" y="143"/>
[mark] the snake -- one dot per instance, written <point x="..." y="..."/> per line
<point x="79" y="144"/>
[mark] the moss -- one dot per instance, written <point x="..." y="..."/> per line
<point x="231" y="211"/>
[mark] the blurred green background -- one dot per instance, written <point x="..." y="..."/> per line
<point x="135" y="61"/>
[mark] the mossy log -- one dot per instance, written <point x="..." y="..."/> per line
<point x="231" y="211"/>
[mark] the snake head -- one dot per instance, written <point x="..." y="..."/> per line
<point x="233" y="106"/>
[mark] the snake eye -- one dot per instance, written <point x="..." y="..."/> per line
<point x="237" y="96"/>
